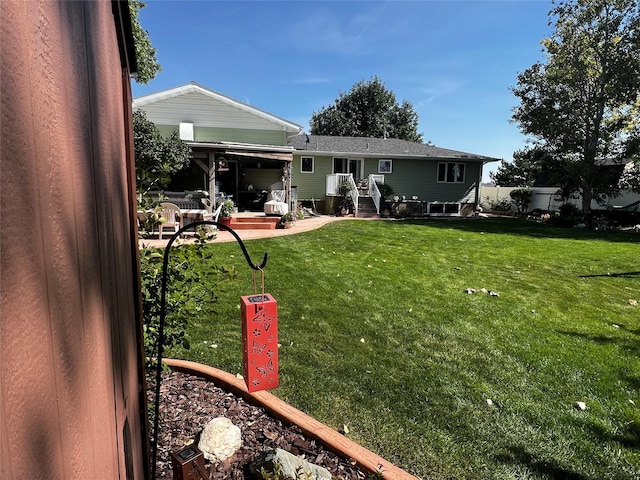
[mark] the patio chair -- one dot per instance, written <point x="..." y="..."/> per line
<point x="170" y="212"/>
<point x="207" y="204"/>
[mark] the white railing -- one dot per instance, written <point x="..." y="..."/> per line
<point x="337" y="180"/>
<point x="374" y="191"/>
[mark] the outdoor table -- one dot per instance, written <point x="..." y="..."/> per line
<point x="192" y="215"/>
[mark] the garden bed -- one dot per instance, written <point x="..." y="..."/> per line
<point x="188" y="402"/>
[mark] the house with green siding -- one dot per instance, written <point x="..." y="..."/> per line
<point x="241" y="152"/>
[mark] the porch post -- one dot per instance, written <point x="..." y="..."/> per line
<point x="289" y="167"/>
<point x="212" y="179"/>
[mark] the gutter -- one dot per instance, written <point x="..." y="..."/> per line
<point x="405" y="156"/>
<point x="242" y="146"/>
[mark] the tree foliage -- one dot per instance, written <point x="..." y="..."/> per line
<point x="369" y="109"/>
<point x="521" y="198"/>
<point x="579" y="105"/>
<point x="148" y="66"/>
<point x="526" y="169"/>
<point x="157" y="158"/>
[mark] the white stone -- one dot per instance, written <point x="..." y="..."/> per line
<point x="289" y="466"/>
<point x="219" y="439"/>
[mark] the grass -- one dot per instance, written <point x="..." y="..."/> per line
<point x="378" y="334"/>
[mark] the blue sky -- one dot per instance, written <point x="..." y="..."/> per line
<point x="453" y="60"/>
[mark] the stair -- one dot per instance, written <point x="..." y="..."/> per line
<point x="254" y="223"/>
<point x="366" y="208"/>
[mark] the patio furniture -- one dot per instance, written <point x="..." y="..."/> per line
<point x="172" y="216"/>
<point x="276" y="201"/>
<point x="207" y="203"/>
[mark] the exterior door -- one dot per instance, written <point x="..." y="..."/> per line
<point x="348" y="165"/>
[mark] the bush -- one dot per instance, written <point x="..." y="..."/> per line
<point x="501" y="204"/>
<point x="569" y="210"/>
<point x="385" y="190"/>
<point x="189" y="291"/>
<point x="521" y="198"/>
<point x="568" y="216"/>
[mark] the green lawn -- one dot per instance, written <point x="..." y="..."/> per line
<point x="378" y="334"/>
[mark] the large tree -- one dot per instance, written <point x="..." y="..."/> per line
<point x="578" y="105"/>
<point x="148" y="66"/>
<point x="525" y="169"/>
<point x="369" y="109"/>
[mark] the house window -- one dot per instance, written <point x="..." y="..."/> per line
<point x="451" y="172"/>
<point x="306" y="165"/>
<point x="385" y="166"/>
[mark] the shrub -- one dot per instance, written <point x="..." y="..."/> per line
<point x="189" y="291"/>
<point x="568" y="216"/>
<point x="521" y="199"/>
<point x="501" y="204"/>
<point x="385" y="189"/>
<point x="569" y="210"/>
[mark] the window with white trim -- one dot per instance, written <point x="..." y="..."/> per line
<point x="348" y="165"/>
<point x="306" y="165"/>
<point x="450" y="172"/>
<point x="385" y="166"/>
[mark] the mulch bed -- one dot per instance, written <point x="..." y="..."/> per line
<point x="189" y="402"/>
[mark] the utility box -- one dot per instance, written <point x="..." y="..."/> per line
<point x="188" y="464"/>
<point x="259" y="341"/>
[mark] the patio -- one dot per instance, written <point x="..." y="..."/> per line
<point x="310" y="223"/>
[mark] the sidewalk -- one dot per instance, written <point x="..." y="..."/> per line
<point x="299" y="226"/>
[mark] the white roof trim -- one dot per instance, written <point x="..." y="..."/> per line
<point x="242" y="146"/>
<point x="356" y="155"/>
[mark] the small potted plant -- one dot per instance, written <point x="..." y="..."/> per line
<point x="226" y="211"/>
<point x="286" y="221"/>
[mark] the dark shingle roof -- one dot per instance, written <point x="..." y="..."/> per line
<point x="364" y="146"/>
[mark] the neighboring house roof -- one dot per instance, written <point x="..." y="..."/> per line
<point x="377" y="147"/>
<point x="207" y="108"/>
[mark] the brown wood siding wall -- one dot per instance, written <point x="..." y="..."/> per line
<point x="69" y="370"/>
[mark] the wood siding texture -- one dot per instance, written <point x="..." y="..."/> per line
<point x="204" y="111"/>
<point x="240" y="135"/>
<point x="69" y="372"/>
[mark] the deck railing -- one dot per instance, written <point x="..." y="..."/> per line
<point x="374" y="191"/>
<point x="335" y="183"/>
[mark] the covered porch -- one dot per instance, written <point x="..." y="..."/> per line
<point x="243" y="173"/>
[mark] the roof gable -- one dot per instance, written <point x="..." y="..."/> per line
<point x="376" y="147"/>
<point x="207" y="108"/>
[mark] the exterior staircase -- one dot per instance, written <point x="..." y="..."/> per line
<point x="254" y="223"/>
<point x="366" y="207"/>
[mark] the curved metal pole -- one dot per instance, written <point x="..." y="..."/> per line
<point x="163" y="314"/>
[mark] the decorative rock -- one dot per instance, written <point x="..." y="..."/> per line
<point x="219" y="439"/>
<point x="288" y="466"/>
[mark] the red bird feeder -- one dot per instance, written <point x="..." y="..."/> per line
<point x="260" y="341"/>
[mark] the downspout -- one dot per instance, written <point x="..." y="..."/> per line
<point x="478" y="185"/>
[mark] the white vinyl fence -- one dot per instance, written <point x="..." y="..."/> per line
<point x="546" y="198"/>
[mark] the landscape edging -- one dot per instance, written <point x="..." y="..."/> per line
<point x="338" y="443"/>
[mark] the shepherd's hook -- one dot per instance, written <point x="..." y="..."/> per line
<point x="163" y="314"/>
